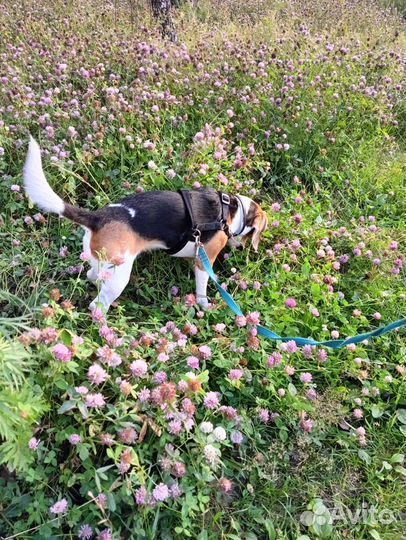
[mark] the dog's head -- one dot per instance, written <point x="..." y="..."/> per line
<point x="256" y="222"/>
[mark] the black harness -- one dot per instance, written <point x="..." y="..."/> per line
<point x="196" y="229"/>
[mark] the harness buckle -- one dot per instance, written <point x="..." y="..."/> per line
<point x="225" y="198"/>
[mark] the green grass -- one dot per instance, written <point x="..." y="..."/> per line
<point x="343" y="121"/>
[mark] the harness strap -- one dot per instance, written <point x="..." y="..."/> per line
<point x="213" y="226"/>
<point x="225" y="211"/>
<point x="188" y="203"/>
<point x="243" y="217"/>
<point x="197" y="228"/>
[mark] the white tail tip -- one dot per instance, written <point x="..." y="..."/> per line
<point x="36" y="184"/>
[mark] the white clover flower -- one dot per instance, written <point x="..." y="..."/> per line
<point x="220" y="434"/>
<point x="152" y="165"/>
<point x="211" y="454"/>
<point x="206" y="427"/>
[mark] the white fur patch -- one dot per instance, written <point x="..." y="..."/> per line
<point x="131" y="211"/>
<point x="94" y="263"/>
<point x="187" y="251"/>
<point x="237" y="221"/>
<point x="36" y="185"/>
<point x="201" y="287"/>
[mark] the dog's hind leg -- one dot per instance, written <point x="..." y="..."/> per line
<point x="114" y="285"/>
<point x="94" y="263"/>
<point x="94" y="267"/>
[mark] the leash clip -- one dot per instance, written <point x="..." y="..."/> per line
<point x="196" y="235"/>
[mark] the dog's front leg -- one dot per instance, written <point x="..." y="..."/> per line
<point x="112" y="287"/>
<point x="213" y="248"/>
<point x="202" y="278"/>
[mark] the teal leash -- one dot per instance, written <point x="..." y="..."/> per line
<point x="265" y="332"/>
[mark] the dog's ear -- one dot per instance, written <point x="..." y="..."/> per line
<point x="260" y="224"/>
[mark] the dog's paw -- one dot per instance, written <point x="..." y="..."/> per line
<point x="98" y="304"/>
<point x="203" y="302"/>
<point x="93" y="305"/>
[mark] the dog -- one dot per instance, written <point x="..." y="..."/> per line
<point x="173" y="221"/>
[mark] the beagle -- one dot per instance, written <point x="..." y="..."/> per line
<point x="173" y="221"/>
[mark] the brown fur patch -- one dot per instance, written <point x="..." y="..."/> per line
<point x="257" y="219"/>
<point x="260" y="225"/>
<point x="115" y="238"/>
<point x="213" y="247"/>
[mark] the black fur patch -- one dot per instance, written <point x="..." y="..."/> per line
<point x="161" y="215"/>
<point x="84" y="217"/>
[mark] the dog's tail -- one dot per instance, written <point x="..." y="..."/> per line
<point x="41" y="193"/>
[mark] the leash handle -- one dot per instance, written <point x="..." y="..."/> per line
<point x="265" y="332"/>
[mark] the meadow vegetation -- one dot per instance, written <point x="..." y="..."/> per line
<point x="160" y="421"/>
